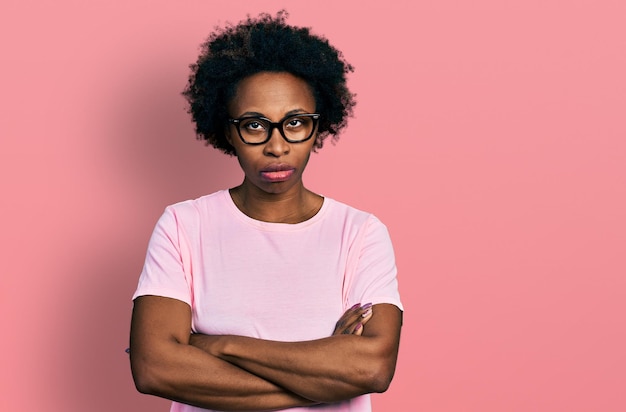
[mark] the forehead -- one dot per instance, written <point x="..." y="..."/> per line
<point x="272" y="95"/>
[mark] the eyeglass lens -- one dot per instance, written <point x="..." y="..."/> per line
<point x="294" y="128"/>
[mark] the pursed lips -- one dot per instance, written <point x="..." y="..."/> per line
<point x="277" y="172"/>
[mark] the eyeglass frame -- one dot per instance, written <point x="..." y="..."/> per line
<point x="276" y="125"/>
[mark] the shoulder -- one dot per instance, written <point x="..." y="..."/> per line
<point x="194" y="207"/>
<point x="351" y="215"/>
<point x="190" y="213"/>
<point x="215" y="199"/>
<point x="354" y="223"/>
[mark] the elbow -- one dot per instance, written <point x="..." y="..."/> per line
<point x="154" y="371"/>
<point x="379" y="375"/>
<point x="144" y="386"/>
<point x="146" y="379"/>
<point x="380" y="380"/>
<point x="144" y="383"/>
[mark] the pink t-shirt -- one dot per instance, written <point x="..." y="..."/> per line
<point x="246" y="277"/>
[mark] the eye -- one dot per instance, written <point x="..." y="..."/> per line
<point x="253" y="125"/>
<point x="295" y="122"/>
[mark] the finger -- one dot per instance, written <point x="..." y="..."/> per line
<point x="363" y="319"/>
<point x="366" y="316"/>
<point x="346" y="328"/>
<point x="352" y="317"/>
<point x="363" y="312"/>
<point x="351" y="311"/>
<point x="355" y="329"/>
<point x="354" y="314"/>
<point x="349" y="316"/>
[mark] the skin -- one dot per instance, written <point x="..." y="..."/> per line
<point x="273" y="95"/>
<point x="238" y="373"/>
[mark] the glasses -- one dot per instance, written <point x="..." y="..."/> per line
<point x="295" y="128"/>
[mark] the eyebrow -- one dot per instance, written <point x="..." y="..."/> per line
<point x="257" y="114"/>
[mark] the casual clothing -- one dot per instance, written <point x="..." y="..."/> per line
<point x="246" y="277"/>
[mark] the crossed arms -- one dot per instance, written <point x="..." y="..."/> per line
<point x="237" y="373"/>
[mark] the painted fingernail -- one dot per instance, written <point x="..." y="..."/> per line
<point x="355" y="306"/>
<point x="358" y="326"/>
<point x="366" y="313"/>
<point x="366" y="306"/>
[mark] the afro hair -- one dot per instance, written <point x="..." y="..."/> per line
<point x="266" y="44"/>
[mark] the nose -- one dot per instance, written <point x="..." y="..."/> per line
<point x="277" y="146"/>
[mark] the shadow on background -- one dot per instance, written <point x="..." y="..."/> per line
<point x="154" y="161"/>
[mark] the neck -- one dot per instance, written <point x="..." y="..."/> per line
<point x="295" y="206"/>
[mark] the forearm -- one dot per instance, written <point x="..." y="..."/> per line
<point x="165" y="364"/>
<point x="325" y="370"/>
<point x="186" y="374"/>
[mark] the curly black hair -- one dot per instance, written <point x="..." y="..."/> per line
<point x="266" y="44"/>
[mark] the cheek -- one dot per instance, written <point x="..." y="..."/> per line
<point x="307" y="156"/>
<point x="246" y="156"/>
<point x="242" y="161"/>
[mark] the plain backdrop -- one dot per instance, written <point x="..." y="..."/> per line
<point x="490" y="137"/>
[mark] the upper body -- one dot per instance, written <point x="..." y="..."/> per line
<point x="271" y="281"/>
<point x="264" y="274"/>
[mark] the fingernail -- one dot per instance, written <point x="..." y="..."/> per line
<point x="366" y="306"/>
<point x="366" y="313"/>
<point x="358" y="326"/>
<point x="355" y="306"/>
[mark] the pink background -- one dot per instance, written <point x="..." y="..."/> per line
<point x="490" y="136"/>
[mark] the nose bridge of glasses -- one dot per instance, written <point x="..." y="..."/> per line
<point x="275" y="126"/>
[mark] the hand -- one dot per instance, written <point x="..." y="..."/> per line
<point x="353" y="320"/>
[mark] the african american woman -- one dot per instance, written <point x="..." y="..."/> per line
<point x="267" y="296"/>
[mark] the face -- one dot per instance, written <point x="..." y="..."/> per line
<point x="277" y="165"/>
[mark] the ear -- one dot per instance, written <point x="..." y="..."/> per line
<point x="228" y="136"/>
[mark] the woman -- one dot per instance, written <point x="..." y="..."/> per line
<point x="291" y="297"/>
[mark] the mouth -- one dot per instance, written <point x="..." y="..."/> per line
<point x="277" y="173"/>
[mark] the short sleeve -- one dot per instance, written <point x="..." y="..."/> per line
<point x="163" y="272"/>
<point x="374" y="277"/>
